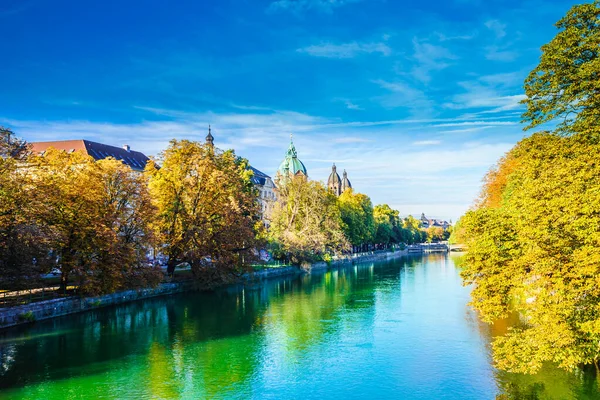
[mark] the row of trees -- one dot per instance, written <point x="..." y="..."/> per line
<point x="310" y="223"/>
<point x="534" y="235"/>
<point x="96" y="222"/>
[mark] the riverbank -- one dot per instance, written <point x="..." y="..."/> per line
<point x="48" y="309"/>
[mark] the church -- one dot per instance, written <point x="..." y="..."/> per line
<point x="337" y="185"/>
<point x="291" y="166"/>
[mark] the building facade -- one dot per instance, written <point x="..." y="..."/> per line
<point x="267" y="194"/>
<point x="429" y="222"/>
<point x="267" y="191"/>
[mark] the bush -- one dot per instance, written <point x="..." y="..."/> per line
<point x="27" y="317"/>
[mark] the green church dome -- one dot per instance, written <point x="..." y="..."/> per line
<point x="291" y="165"/>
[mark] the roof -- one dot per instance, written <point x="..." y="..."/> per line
<point x="134" y="159"/>
<point x="291" y="165"/>
<point x="346" y="182"/>
<point x="334" y="178"/>
<point x="259" y="178"/>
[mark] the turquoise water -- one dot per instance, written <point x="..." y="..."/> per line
<point x="399" y="329"/>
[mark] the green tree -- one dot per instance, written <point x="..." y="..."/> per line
<point x="387" y="222"/>
<point x="412" y="231"/>
<point x="566" y="83"/>
<point x="357" y="214"/>
<point x="207" y="210"/>
<point x="306" y="222"/>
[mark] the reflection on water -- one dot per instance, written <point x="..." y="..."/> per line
<point x="395" y="329"/>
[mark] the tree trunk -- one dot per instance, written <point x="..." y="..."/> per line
<point x="171" y="266"/>
<point x="64" y="280"/>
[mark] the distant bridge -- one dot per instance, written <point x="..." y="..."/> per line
<point x="458" y="247"/>
<point x="428" y="248"/>
<point x="435" y="248"/>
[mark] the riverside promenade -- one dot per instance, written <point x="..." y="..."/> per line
<point x="28" y="313"/>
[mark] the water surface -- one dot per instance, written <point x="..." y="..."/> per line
<point x="398" y="329"/>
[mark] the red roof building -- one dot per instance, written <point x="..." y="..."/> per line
<point x="98" y="151"/>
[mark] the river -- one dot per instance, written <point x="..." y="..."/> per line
<point x="400" y="329"/>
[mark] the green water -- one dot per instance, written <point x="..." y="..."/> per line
<point x="394" y="330"/>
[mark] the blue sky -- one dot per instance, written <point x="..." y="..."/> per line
<point x="416" y="100"/>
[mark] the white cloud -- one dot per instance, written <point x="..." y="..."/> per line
<point x="350" y="140"/>
<point x="369" y="150"/>
<point x="444" y="38"/>
<point x="491" y="94"/>
<point x="345" y="50"/>
<point x="351" y="106"/>
<point x="427" y="142"/>
<point x="497" y="27"/>
<point x="477" y="123"/>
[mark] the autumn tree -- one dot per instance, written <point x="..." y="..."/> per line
<point x="565" y="86"/>
<point x="23" y="244"/>
<point x="207" y="210"/>
<point x="306" y="223"/>
<point x="533" y="238"/>
<point x="537" y="253"/>
<point x="434" y="234"/>
<point x="96" y="217"/>
<point x="357" y="214"/>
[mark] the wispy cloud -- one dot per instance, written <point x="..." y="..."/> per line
<point x="489" y="94"/>
<point x="427" y="143"/>
<point x="297" y="6"/>
<point x="496" y="53"/>
<point x="477" y="123"/>
<point x="497" y="27"/>
<point x="345" y="50"/>
<point x="351" y="106"/>
<point x="429" y="57"/>
<point x="404" y="95"/>
<point x="350" y="140"/>
<point x="445" y="38"/>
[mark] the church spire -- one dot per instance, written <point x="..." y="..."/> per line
<point x="334" y="183"/>
<point x="345" y="182"/>
<point x="210" y="140"/>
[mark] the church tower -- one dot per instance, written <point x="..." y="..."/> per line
<point x="291" y="166"/>
<point x="346" y="182"/>
<point x="334" y="183"/>
<point x="210" y="140"/>
<point x="337" y="185"/>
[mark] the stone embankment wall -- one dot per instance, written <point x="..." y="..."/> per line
<point x="58" y="307"/>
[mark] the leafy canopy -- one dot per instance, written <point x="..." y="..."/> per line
<point x="565" y="86"/>
<point x="207" y="210"/>
<point x="538" y="253"/>
<point x="357" y="214"/>
<point x="306" y="223"/>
